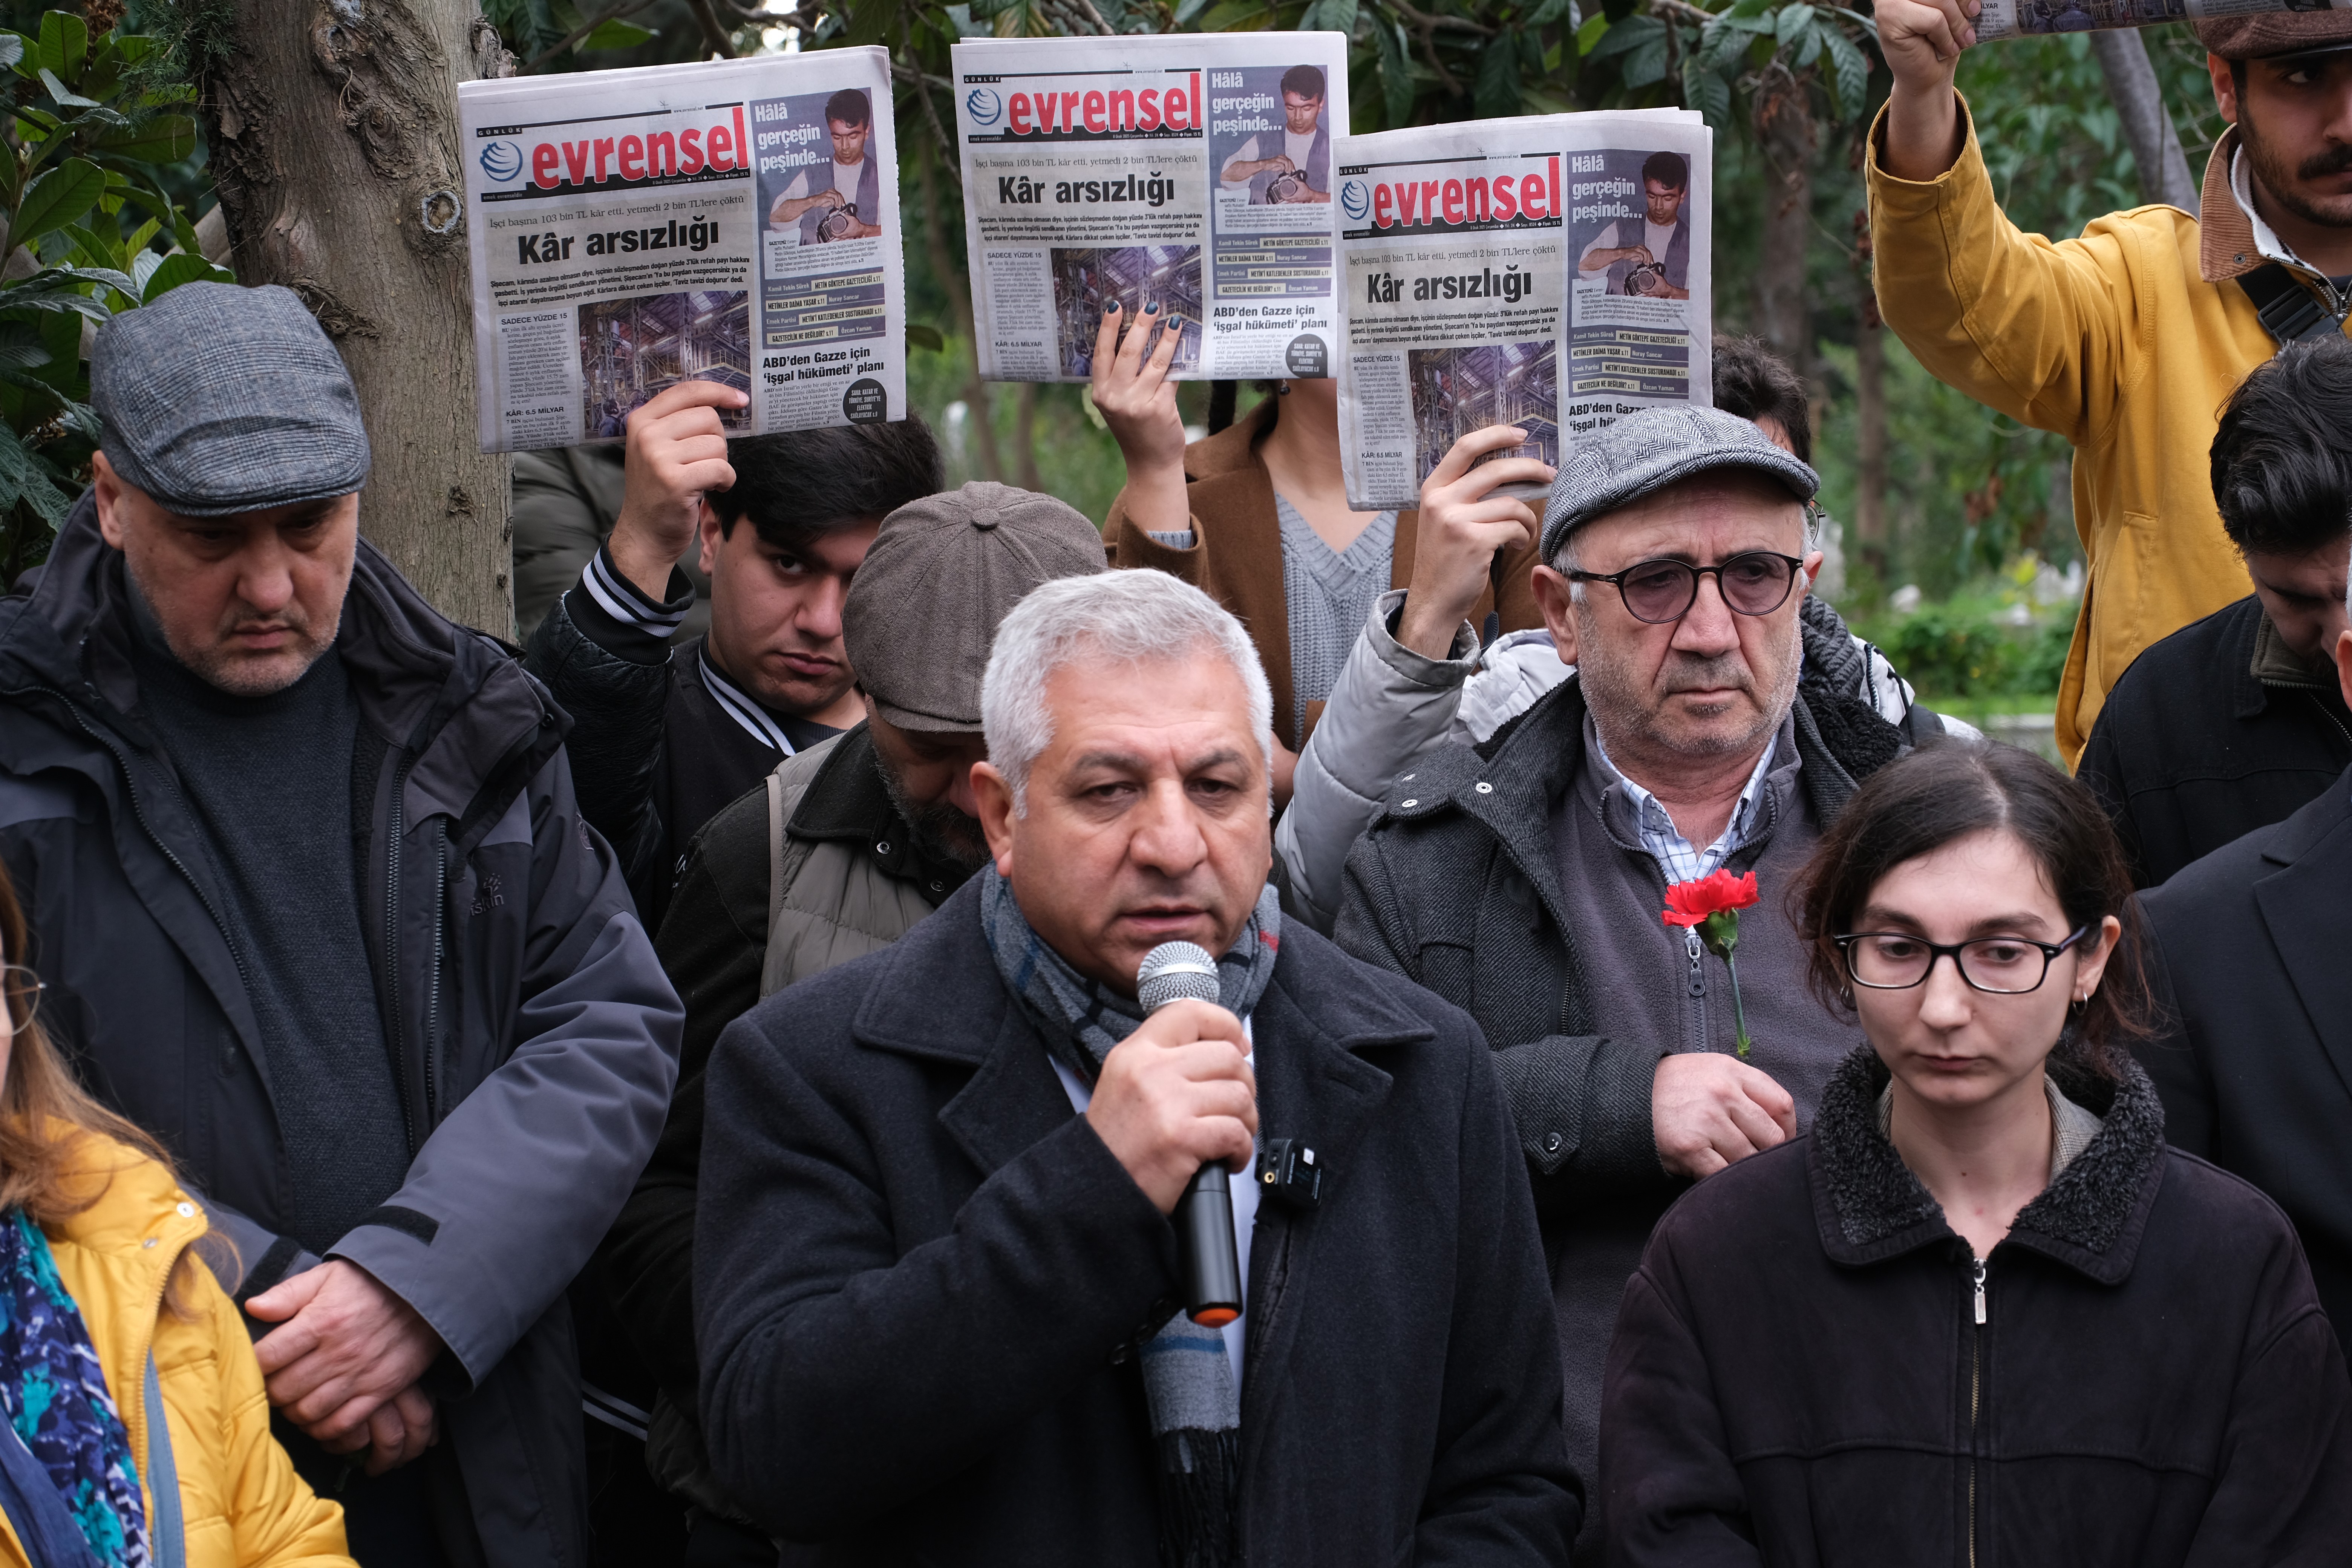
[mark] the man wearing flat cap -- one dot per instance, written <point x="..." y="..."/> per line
<point x="847" y="845"/>
<point x="315" y="905"/>
<point x="1522" y="880"/>
<point x="2128" y="340"/>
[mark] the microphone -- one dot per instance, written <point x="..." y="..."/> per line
<point x="1205" y="1250"/>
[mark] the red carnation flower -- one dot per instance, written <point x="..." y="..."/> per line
<point x="1711" y="907"/>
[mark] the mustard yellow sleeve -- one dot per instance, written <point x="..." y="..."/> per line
<point x="276" y="1521"/>
<point x="2047" y="334"/>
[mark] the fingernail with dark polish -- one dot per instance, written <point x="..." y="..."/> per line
<point x="1111" y="308"/>
<point x="1152" y="309"/>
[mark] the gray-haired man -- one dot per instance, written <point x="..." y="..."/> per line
<point x="933" y="1267"/>
<point x="315" y="905"/>
<point x="1524" y="878"/>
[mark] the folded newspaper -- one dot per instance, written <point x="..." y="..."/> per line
<point x="1187" y="179"/>
<point x="735" y="221"/>
<point x="2032" y="18"/>
<point x="1480" y="261"/>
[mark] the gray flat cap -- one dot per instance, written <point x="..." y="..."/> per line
<point x="1644" y="452"/>
<point x="941" y="575"/>
<point x="219" y="399"/>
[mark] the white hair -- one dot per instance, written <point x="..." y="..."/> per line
<point x="1107" y="617"/>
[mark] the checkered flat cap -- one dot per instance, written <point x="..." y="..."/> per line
<point x="1645" y="452"/>
<point x="219" y="399"/>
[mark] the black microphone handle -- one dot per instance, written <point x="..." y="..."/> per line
<point x="1205" y="1248"/>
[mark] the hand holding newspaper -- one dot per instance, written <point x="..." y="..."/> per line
<point x="1478" y="262"/>
<point x="736" y="221"/>
<point x="1190" y="173"/>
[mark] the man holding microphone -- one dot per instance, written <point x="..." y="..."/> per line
<point x="937" y="1285"/>
<point x="2128" y="340"/>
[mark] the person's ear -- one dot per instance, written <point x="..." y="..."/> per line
<point x="714" y="534"/>
<point x="2094" y="961"/>
<point x="2225" y="88"/>
<point x="993" y="794"/>
<point x="2344" y="664"/>
<point x="1813" y="570"/>
<point x="1554" y="601"/>
<point x="107" y="489"/>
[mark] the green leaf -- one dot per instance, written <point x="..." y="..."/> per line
<point x="184" y="267"/>
<point x="64" y="95"/>
<point x="94" y="248"/>
<point x="21" y="478"/>
<point x="12" y="48"/>
<point x="1850" y="70"/>
<point x="1633" y="32"/>
<point x="1809" y="47"/>
<point x="870" y="21"/>
<point x="65" y="42"/>
<point x="1708" y="93"/>
<point x="1495" y="95"/>
<point x="166" y="139"/>
<point x="1339" y="16"/>
<point x="142" y="266"/>
<point x="1590" y="33"/>
<point x="920" y="336"/>
<point x="614" y="34"/>
<point x="1793" y="20"/>
<point x="1720" y="45"/>
<point x="57" y="199"/>
<point x="1646" y="63"/>
<point x="1396" y="77"/>
<point x="1186" y="13"/>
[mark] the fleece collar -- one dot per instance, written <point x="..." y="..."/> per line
<point x="1869" y="1207"/>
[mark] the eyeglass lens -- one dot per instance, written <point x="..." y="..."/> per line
<point x="1660" y="590"/>
<point x="2000" y="964"/>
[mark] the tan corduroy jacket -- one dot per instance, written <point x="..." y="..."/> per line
<point x="1236" y="553"/>
<point x="2126" y="342"/>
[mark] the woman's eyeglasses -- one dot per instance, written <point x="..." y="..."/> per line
<point x="2000" y="966"/>
<point x="1753" y="584"/>
<point x="24" y="988"/>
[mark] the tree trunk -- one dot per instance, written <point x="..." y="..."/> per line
<point x="952" y="278"/>
<point x="2139" y="100"/>
<point x="1782" y="315"/>
<point x="1870" y="458"/>
<point x="332" y="131"/>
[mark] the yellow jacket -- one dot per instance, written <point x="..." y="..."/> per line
<point x="2126" y="342"/>
<point x="240" y="1504"/>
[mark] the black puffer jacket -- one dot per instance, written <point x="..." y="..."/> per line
<point x="1798" y="1376"/>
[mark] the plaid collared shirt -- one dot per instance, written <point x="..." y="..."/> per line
<point x="1675" y="854"/>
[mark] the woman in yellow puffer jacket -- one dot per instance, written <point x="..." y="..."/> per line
<point x="134" y="1430"/>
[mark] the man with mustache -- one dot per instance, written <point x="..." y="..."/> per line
<point x="315" y="904"/>
<point x="2128" y="340"/>
<point x="850" y="844"/>
<point x="1524" y="878"/>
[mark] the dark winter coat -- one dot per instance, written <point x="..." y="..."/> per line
<point x="1457" y="886"/>
<point x="2255" y="1061"/>
<point x="918" y="1277"/>
<point x="2212" y="732"/>
<point x="1800" y="1376"/>
<point x="534" y="1037"/>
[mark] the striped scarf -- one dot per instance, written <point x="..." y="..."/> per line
<point x="1188" y="1380"/>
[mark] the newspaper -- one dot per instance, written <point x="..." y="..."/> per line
<point x="1480" y="261"/>
<point x="1190" y="173"/>
<point x="2032" y="18"/>
<point x="636" y="229"/>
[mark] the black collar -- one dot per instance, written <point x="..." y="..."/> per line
<point x="1869" y="1207"/>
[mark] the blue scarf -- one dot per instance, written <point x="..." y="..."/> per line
<point x="54" y="1393"/>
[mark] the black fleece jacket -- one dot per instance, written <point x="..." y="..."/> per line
<point x="1800" y="1376"/>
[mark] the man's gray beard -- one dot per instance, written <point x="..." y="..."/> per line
<point x="937" y="831"/>
<point x="217" y="666"/>
<point x="1618" y="713"/>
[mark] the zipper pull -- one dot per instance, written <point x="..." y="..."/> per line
<point x="1697" y="980"/>
<point x="1980" y="1277"/>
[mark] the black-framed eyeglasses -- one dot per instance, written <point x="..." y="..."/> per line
<point x="24" y="988"/>
<point x="1999" y="965"/>
<point x="1754" y="582"/>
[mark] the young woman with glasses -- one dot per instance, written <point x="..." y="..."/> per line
<point x="134" y="1429"/>
<point x="1980" y="1313"/>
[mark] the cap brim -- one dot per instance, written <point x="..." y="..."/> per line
<point x="2314" y="52"/>
<point x="899" y="718"/>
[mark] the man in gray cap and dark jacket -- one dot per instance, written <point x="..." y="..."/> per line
<point x="848" y="845"/>
<point x="1524" y="878"/>
<point x="314" y="904"/>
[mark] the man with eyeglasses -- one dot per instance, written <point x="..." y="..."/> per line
<point x="1524" y="878"/>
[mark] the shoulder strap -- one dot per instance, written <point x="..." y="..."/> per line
<point x="2290" y="311"/>
<point x="166" y="1535"/>
<point x="786" y="855"/>
<point x="44" y="1524"/>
